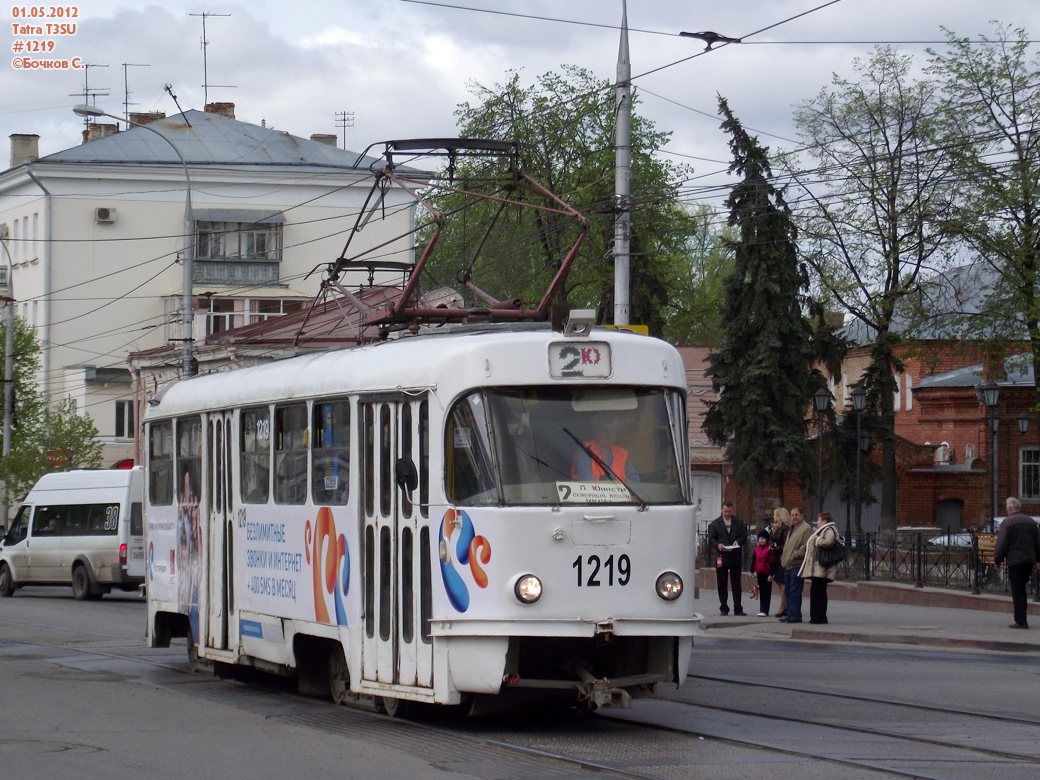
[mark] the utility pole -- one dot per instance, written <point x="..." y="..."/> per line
<point x="8" y="370"/>
<point x="622" y="175"/>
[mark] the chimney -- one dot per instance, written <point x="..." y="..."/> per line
<point x="329" y="139"/>
<point x="95" y="131"/>
<point x="226" y="110"/>
<point x="24" y="147"/>
<point x="143" y="118"/>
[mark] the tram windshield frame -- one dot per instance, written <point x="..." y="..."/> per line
<point x="567" y="445"/>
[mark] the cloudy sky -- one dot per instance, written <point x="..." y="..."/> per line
<point x="403" y="66"/>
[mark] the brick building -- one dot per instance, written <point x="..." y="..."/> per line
<point x="943" y="444"/>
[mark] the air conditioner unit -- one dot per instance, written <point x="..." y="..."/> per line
<point x="105" y="215"/>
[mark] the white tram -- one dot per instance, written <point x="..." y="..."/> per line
<point x="432" y="518"/>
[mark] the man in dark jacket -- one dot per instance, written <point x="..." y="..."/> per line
<point x="1018" y="542"/>
<point x="727" y="536"/>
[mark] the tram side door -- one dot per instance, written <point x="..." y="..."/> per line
<point x="220" y="634"/>
<point x="396" y="572"/>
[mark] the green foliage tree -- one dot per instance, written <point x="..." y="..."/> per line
<point x="763" y="367"/>
<point x="873" y="220"/>
<point x="564" y="124"/>
<point x="42" y="439"/>
<point x="993" y="131"/>
<point x="696" y="306"/>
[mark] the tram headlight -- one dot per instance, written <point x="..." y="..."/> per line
<point x="669" y="586"/>
<point x="528" y="589"/>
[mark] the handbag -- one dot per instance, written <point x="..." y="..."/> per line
<point x="831" y="556"/>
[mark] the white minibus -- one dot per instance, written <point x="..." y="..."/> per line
<point x="80" y="528"/>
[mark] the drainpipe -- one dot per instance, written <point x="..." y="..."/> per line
<point x="47" y="232"/>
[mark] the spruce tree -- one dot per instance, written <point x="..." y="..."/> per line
<point x="763" y="367"/>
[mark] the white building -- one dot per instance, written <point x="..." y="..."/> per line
<point x="96" y="236"/>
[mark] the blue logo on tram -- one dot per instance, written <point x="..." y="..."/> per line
<point x="469" y="548"/>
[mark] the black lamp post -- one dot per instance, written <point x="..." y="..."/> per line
<point x="989" y="394"/>
<point x="822" y="399"/>
<point x="859" y="403"/>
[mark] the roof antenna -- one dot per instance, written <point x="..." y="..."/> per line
<point x="169" y="88"/>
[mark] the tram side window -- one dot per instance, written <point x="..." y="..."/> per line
<point x="256" y="456"/>
<point x="290" y="454"/>
<point x="331" y="452"/>
<point x="189" y="460"/>
<point x="160" y="464"/>
<point x="468" y="473"/>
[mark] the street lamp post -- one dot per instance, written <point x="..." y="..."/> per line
<point x="189" y="228"/>
<point x="859" y="403"/>
<point x="822" y="402"/>
<point x="989" y="394"/>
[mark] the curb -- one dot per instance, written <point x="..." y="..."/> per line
<point x="875" y="592"/>
<point x="912" y="639"/>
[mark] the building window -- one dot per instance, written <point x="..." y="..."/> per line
<point x="237" y="253"/>
<point x="124" y="419"/>
<point x="263" y="310"/>
<point x="238" y="241"/>
<point x="1029" y="473"/>
<point x="227" y="313"/>
<point x="221" y="315"/>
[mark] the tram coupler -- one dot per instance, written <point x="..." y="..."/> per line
<point x="596" y="693"/>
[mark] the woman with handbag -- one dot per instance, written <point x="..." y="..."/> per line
<point x="778" y="536"/>
<point x="824" y="541"/>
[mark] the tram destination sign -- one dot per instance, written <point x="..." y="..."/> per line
<point x="585" y="360"/>
<point x="592" y="492"/>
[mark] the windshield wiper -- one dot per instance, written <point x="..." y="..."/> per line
<point x="588" y="451"/>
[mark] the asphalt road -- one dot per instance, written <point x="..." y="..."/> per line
<point x="81" y="696"/>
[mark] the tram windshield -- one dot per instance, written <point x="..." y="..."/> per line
<point x="566" y="445"/>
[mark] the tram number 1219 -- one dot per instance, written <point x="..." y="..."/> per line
<point x="624" y="570"/>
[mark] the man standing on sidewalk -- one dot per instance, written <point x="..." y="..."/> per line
<point x="1018" y="541"/>
<point x="727" y="536"/>
<point x="791" y="560"/>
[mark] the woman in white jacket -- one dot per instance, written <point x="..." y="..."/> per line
<point x="826" y="536"/>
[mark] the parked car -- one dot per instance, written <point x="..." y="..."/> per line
<point x="952" y="540"/>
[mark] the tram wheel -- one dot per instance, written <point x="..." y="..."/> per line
<point x="395" y="708"/>
<point x="198" y="665"/>
<point x="339" y="676"/>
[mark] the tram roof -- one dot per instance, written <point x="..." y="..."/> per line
<point x="447" y="361"/>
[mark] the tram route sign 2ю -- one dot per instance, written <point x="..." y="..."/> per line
<point x="585" y="360"/>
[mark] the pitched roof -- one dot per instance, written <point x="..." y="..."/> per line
<point x="1018" y="372"/>
<point x="946" y="301"/>
<point x="211" y="139"/>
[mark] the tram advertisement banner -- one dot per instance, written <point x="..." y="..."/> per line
<point x="288" y="561"/>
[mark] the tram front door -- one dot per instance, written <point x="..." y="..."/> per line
<point x="221" y="634"/>
<point x="396" y="564"/>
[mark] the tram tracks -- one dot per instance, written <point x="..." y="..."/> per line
<point x="621" y="737"/>
<point x="959" y="719"/>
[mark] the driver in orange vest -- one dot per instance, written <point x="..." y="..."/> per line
<point x="586" y="469"/>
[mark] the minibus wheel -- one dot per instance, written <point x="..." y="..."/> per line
<point x="80" y="583"/>
<point x="6" y="582"/>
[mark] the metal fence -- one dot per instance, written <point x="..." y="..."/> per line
<point x="954" y="562"/>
